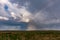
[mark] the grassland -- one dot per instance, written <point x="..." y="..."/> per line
<point x="29" y="35"/>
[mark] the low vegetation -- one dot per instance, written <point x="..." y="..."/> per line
<point x="29" y="35"/>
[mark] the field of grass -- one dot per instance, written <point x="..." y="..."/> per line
<point x="29" y="35"/>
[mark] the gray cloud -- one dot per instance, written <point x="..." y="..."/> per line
<point x="16" y="16"/>
<point x="36" y="14"/>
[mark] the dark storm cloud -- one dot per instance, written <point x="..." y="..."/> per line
<point x="22" y="25"/>
<point x="12" y="23"/>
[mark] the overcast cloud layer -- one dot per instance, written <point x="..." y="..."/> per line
<point x="29" y="14"/>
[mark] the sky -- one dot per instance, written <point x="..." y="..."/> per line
<point x="29" y="14"/>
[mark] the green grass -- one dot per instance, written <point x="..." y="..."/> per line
<point x="29" y="35"/>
